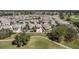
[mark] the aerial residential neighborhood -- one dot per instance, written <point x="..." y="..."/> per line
<point x="17" y="23"/>
<point x="38" y="29"/>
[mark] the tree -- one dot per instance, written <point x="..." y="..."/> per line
<point x="58" y="32"/>
<point x="4" y="33"/>
<point x="76" y="23"/>
<point x="62" y="32"/>
<point x="68" y="17"/>
<point x="61" y="15"/>
<point x="53" y="37"/>
<point x="21" y="39"/>
<point x="34" y="29"/>
<point x="71" y="34"/>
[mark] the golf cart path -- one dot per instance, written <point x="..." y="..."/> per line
<point x="64" y="46"/>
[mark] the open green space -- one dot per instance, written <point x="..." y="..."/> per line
<point x="6" y="45"/>
<point x="36" y="42"/>
<point x="36" y="34"/>
<point x="39" y="42"/>
<point x="11" y="37"/>
<point x="75" y="18"/>
<point x="73" y="44"/>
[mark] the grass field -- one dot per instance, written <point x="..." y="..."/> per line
<point x="73" y="44"/>
<point x="36" y="34"/>
<point x="39" y="42"/>
<point x="11" y="37"/>
<point x="36" y="42"/>
<point x="75" y="18"/>
<point x="6" y="45"/>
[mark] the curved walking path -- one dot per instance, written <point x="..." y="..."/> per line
<point x="46" y="38"/>
<point x="62" y="45"/>
<point x="7" y="40"/>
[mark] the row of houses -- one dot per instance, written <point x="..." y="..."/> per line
<point x="63" y="22"/>
<point x="17" y="23"/>
<point x="29" y="23"/>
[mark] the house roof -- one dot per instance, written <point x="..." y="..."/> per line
<point x="45" y="19"/>
<point x="4" y="20"/>
<point x="38" y="25"/>
<point x="46" y="26"/>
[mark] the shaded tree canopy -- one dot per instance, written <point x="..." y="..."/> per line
<point x="21" y="39"/>
<point x="62" y="31"/>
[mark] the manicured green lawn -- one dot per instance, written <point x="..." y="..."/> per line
<point x="11" y="37"/>
<point x="36" y="42"/>
<point x="73" y="44"/>
<point x="6" y="45"/>
<point x="75" y="18"/>
<point x="40" y="42"/>
<point x="36" y="34"/>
